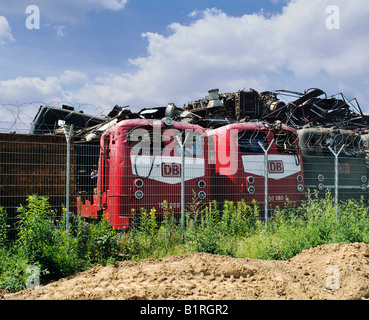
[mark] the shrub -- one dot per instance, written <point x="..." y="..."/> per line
<point x="41" y="242"/>
<point x="12" y="270"/>
<point x="35" y="229"/>
<point x="234" y="229"/>
<point x="103" y="242"/>
<point x="352" y="223"/>
<point x="239" y="219"/>
<point x="44" y="242"/>
<point x="313" y="223"/>
<point x="205" y="232"/>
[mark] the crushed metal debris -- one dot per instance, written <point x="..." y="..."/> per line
<point x="312" y="108"/>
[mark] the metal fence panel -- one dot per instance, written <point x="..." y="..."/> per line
<point x="136" y="164"/>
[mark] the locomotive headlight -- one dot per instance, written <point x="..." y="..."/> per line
<point x="300" y="178"/>
<point x="321" y="178"/>
<point x="139" y="183"/>
<point x="167" y="121"/>
<point x="250" y="180"/>
<point x="364" y="187"/>
<point x="251" y="190"/>
<point x="363" y="179"/>
<point x="201" y="184"/>
<point x="321" y="186"/>
<point x="201" y="195"/>
<point x="139" y="194"/>
<point x="300" y="188"/>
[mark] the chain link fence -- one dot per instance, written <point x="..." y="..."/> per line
<point x="120" y="168"/>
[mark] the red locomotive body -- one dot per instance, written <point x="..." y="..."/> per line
<point x="238" y="155"/>
<point x="140" y="166"/>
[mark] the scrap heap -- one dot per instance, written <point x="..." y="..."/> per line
<point x="313" y="108"/>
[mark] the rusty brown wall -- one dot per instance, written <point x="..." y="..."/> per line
<point x="33" y="164"/>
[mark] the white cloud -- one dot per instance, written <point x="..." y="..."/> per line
<point x="30" y="89"/>
<point x="282" y="51"/>
<point x="60" y="30"/>
<point x="194" y="13"/>
<point x="292" y="50"/>
<point x="309" y="47"/>
<point x="71" y="76"/>
<point x="5" y="31"/>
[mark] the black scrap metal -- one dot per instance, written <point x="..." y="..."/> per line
<point x="309" y="109"/>
<point x="312" y="108"/>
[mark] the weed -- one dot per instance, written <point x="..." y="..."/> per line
<point x="44" y="242"/>
<point x="233" y="229"/>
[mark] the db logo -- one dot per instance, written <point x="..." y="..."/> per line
<point x="344" y="168"/>
<point x="170" y="169"/>
<point x="275" y="166"/>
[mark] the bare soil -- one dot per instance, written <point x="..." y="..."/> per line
<point x="328" y="272"/>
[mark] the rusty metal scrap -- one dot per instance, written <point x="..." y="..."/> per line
<point x="312" y="108"/>
<point x="309" y="109"/>
<point x="51" y="120"/>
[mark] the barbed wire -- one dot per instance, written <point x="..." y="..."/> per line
<point x="17" y="118"/>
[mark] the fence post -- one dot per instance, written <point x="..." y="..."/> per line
<point x="68" y="136"/>
<point x="336" y="176"/>
<point x="266" y="183"/>
<point x="182" y="145"/>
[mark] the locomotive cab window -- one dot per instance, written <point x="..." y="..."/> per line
<point x="286" y="141"/>
<point x="321" y="142"/>
<point x="249" y="142"/>
<point x="143" y="141"/>
<point x="194" y="146"/>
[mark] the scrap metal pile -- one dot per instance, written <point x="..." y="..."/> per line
<point x="313" y="108"/>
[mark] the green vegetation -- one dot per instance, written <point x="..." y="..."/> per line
<point x="43" y="242"/>
<point x="235" y="230"/>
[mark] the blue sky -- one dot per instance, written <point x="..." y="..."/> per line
<point x="148" y="53"/>
<point x="102" y="39"/>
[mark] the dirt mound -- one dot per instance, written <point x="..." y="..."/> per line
<point x="334" y="271"/>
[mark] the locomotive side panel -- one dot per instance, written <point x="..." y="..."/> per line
<point x="243" y="176"/>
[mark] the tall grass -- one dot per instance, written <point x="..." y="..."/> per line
<point x="43" y="242"/>
<point x="313" y="223"/>
<point x="230" y="229"/>
<point x="236" y="230"/>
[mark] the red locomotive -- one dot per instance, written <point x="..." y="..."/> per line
<point x="140" y="166"/>
<point x="238" y="155"/>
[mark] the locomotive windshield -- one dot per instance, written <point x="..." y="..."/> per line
<point x="145" y="141"/>
<point x="249" y="141"/>
<point x="194" y="146"/>
<point x="286" y="141"/>
<point x="319" y="142"/>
